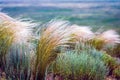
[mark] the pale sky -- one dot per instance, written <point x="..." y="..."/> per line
<point x="52" y="0"/>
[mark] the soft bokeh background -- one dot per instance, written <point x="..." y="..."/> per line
<point x="100" y="14"/>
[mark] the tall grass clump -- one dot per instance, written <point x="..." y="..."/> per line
<point x="15" y="46"/>
<point x="73" y="65"/>
<point x="56" y="33"/>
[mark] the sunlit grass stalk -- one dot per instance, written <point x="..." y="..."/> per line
<point x="56" y="34"/>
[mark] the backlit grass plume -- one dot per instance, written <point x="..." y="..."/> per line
<point x="22" y="31"/>
<point x="82" y="33"/>
<point x="57" y="33"/>
<point x="109" y="37"/>
<point x="5" y="17"/>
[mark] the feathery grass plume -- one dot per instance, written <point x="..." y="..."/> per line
<point x="82" y="33"/>
<point x="106" y="38"/>
<point x="109" y="37"/>
<point x="22" y="31"/>
<point x="79" y="34"/>
<point x="5" y="17"/>
<point x="13" y="32"/>
<point x="56" y="33"/>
